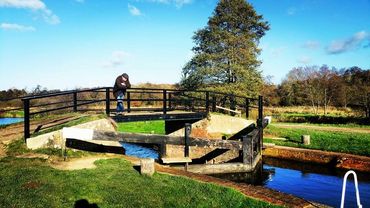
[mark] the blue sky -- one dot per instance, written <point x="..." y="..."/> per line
<point x="64" y="44"/>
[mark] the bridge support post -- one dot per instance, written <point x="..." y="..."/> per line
<point x="107" y="101"/>
<point x="26" y="109"/>
<point x="187" y="138"/>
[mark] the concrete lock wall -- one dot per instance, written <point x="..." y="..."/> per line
<point x="55" y="139"/>
<point x="213" y="127"/>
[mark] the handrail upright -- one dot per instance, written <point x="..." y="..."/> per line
<point x="344" y="189"/>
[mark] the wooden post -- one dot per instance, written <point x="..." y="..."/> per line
<point x="169" y="101"/>
<point x="213" y="103"/>
<point x="247" y="150"/>
<point x="107" y="101"/>
<point x="187" y="138"/>
<point x="164" y="101"/>
<point x="247" y="108"/>
<point x="128" y="102"/>
<point x="75" y="101"/>
<point x="207" y="102"/>
<point x="26" y="122"/>
<point x="260" y="121"/>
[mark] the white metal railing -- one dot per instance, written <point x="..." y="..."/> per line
<point x="344" y="189"/>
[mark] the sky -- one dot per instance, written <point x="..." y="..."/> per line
<point x="68" y="44"/>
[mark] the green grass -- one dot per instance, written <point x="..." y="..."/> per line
<point x="349" y="125"/>
<point x="148" y="127"/>
<point x="12" y="114"/>
<point x="81" y="120"/>
<point x="319" y="119"/>
<point x="114" y="183"/>
<point x="346" y="142"/>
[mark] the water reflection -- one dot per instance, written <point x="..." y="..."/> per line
<point x="7" y="121"/>
<point x="140" y="151"/>
<point x="308" y="181"/>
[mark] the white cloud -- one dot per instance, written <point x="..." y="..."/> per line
<point x="16" y="27"/>
<point x="277" y="52"/>
<point x="360" y="39"/>
<point x="311" y="44"/>
<point x="24" y="4"/>
<point x="304" y="60"/>
<point x="291" y="11"/>
<point x="35" y="5"/>
<point x="117" y="58"/>
<point x="133" y="10"/>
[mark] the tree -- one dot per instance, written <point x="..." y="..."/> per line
<point x="226" y="51"/>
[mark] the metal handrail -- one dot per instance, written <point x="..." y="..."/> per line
<point x="168" y="97"/>
<point x="344" y="189"/>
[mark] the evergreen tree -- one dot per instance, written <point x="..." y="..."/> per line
<point x="226" y="51"/>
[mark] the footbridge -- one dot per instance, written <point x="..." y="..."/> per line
<point x="178" y="108"/>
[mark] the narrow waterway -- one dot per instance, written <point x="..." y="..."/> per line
<point x="6" y="121"/>
<point x="140" y="151"/>
<point x="311" y="182"/>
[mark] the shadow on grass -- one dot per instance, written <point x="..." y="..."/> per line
<point x="83" y="203"/>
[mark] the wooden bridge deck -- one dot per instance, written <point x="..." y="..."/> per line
<point x="169" y="116"/>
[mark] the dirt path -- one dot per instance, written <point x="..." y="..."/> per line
<point x="324" y="128"/>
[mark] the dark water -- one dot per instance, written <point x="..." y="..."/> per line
<point x="6" y="121"/>
<point x="140" y="151"/>
<point x="311" y="182"/>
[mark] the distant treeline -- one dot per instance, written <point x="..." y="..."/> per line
<point x="320" y="87"/>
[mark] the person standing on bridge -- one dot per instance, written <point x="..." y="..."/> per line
<point x="120" y="86"/>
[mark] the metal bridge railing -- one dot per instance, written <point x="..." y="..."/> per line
<point x="136" y="99"/>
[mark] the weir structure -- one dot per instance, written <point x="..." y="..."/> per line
<point x="178" y="108"/>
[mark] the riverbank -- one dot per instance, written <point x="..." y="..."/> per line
<point x="330" y="159"/>
<point x="114" y="182"/>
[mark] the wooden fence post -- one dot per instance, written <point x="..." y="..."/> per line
<point x="107" y="101"/>
<point x="128" y="102"/>
<point x="164" y="101"/>
<point x="260" y="120"/>
<point x="247" y="108"/>
<point x="26" y="122"/>
<point x="207" y="102"/>
<point x="169" y="100"/>
<point x="187" y="138"/>
<point x="213" y="103"/>
<point x="75" y="101"/>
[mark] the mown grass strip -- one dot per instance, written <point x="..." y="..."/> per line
<point x="346" y="142"/>
<point x="114" y="183"/>
<point x="147" y="127"/>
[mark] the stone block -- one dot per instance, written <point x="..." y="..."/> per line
<point x="306" y="140"/>
<point x="147" y="166"/>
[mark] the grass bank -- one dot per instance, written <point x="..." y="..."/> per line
<point x="346" y="142"/>
<point x="12" y="114"/>
<point x="114" y="183"/>
<point x="147" y="127"/>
